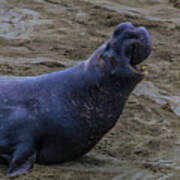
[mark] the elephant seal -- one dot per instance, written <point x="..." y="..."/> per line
<point x="60" y="116"/>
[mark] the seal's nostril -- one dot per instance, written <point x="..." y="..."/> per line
<point x="121" y="28"/>
<point x="145" y="46"/>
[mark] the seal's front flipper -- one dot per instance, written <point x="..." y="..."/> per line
<point x="23" y="159"/>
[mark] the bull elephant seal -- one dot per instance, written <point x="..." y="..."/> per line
<point x="60" y="116"/>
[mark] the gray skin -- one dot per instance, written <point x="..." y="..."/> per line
<point x="60" y="116"/>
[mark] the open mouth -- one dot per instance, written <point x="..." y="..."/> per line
<point x="134" y="62"/>
<point x="138" y="68"/>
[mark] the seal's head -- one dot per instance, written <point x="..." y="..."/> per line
<point x="127" y="48"/>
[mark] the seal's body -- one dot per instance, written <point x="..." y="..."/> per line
<point x="60" y="116"/>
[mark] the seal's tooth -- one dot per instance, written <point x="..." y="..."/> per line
<point x="143" y="67"/>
